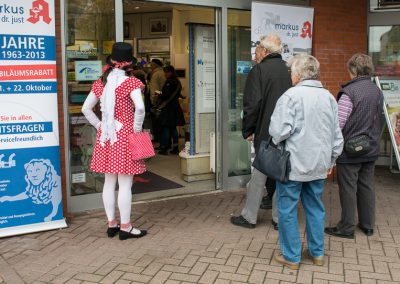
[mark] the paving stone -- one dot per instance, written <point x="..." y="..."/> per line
<point x="209" y="277"/>
<point x="160" y="277"/>
<point x="257" y="276"/>
<point x="112" y="277"/>
<point x="199" y="268"/>
<point x="88" y="277"/>
<point x="184" y="277"/>
<point x="352" y="276"/>
<point x="304" y="277"/>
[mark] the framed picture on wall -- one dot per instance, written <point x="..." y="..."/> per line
<point x="158" y="26"/>
<point x="153" y="45"/>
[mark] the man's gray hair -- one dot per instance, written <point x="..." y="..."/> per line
<point x="360" y="65"/>
<point x="272" y="43"/>
<point x="305" y="66"/>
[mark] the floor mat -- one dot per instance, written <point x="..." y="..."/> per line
<point x="149" y="182"/>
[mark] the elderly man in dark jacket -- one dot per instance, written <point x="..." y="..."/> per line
<point x="266" y="82"/>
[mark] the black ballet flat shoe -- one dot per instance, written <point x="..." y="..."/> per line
<point x="112" y="231"/>
<point x="367" y="232"/>
<point x="124" y="235"/>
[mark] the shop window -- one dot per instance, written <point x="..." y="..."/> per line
<point x="90" y="34"/>
<point x="384" y="48"/>
<point x="384" y="5"/>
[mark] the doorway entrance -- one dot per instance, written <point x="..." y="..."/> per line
<point x="162" y="36"/>
<point x="182" y="36"/>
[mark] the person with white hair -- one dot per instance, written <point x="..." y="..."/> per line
<point x="266" y="82"/>
<point x="305" y="121"/>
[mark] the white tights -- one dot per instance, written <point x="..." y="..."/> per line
<point x="124" y="196"/>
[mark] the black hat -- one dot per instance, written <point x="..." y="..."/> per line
<point x="122" y="52"/>
<point x="157" y="61"/>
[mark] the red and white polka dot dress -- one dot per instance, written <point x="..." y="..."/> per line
<point x="116" y="158"/>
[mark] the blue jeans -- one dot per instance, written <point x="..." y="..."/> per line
<point x="289" y="236"/>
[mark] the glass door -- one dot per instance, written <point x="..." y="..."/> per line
<point x="237" y="155"/>
<point x="89" y="35"/>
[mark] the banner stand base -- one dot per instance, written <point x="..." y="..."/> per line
<point x="33" y="228"/>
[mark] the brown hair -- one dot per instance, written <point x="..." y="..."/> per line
<point x="360" y="65"/>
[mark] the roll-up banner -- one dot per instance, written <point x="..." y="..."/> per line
<point x="391" y="92"/>
<point x="293" y="24"/>
<point x="30" y="182"/>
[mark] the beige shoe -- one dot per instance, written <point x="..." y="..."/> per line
<point x="319" y="260"/>
<point x="292" y="265"/>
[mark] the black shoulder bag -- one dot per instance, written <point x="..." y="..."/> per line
<point x="273" y="162"/>
<point x="360" y="145"/>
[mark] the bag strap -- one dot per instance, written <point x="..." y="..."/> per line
<point x="376" y="114"/>
<point x="283" y="143"/>
<point x="172" y="97"/>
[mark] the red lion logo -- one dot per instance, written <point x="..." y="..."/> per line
<point x="40" y="8"/>
<point x="306" y="30"/>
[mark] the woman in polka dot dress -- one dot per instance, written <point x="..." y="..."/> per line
<point x="122" y="110"/>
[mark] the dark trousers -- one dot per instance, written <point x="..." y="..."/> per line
<point x="270" y="186"/>
<point x="155" y="128"/>
<point x="356" y="191"/>
<point x="166" y="133"/>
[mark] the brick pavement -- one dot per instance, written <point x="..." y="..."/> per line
<point x="191" y="241"/>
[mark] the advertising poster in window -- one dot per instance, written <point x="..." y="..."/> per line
<point x="293" y="24"/>
<point x="204" y="54"/>
<point x="30" y="182"/>
<point x="391" y="93"/>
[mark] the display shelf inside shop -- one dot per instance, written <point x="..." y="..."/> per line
<point x="76" y="87"/>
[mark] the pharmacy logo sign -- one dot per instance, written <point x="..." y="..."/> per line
<point x="306" y="30"/>
<point x="40" y="10"/>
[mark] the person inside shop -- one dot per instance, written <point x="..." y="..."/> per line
<point x="360" y="104"/>
<point x="122" y="110"/>
<point x="305" y="119"/>
<point x="156" y="80"/>
<point x="266" y="82"/>
<point x="170" y="112"/>
<point x="139" y="73"/>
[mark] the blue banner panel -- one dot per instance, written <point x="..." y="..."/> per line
<point x="26" y="128"/>
<point x="27" y="47"/>
<point x="7" y="88"/>
<point x="30" y="186"/>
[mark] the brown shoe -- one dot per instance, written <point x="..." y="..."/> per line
<point x="281" y="259"/>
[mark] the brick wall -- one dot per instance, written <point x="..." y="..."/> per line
<point x="340" y="30"/>
<point x="61" y="108"/>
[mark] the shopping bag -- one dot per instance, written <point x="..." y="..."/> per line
<point x="141" y="146"/>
